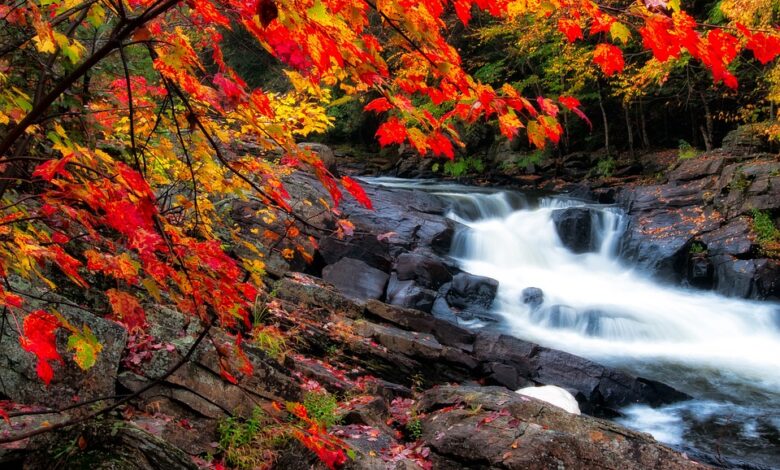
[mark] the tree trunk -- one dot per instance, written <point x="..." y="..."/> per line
<point x="707" y="131"/>
<point x="629" y="129"/>
<point x="606" y="122"/>
<point x="643" y="126"/>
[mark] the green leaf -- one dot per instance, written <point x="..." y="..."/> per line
<point x="620" y="32"/>
<point x="86" y="346"/>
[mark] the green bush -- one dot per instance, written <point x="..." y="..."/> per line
<point x="605" y="167"/>
<point x="686" y="151"/>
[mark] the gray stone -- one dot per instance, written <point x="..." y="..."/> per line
<point x="18" y="378"/>
<point x="356" y="279"/>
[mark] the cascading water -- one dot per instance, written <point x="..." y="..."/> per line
<point x="723" y="351"/>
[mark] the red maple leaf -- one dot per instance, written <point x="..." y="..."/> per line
<point x="609" y="58"/>
<point x="354" y="188"/>
<point x="570" y="28"/>
<point x="39" y="338"/>
<point x="391" y="132"/>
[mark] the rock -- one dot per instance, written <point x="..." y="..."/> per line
<point x="700" y="271"/>
<point x="743" y="187"/>
<point x="533" y="297"/>
<point x="747" y="278"/>
<point x="699" y="167"/>
<point x="427" y="271"/>
<point x="111" y="445"/>
<point x="509" y="431"/>
<point x="600" y="390"/>
<point x="409" y="294"/>
<point x="445" y="332"/>
<point x="658" y="241"/>
<point x="731" y="239"/>
<point x="575" y="228"/>
<point x="19" y="381"/>
<point x="472" y="293"/>
<point x="746" y="138"/>
<point x="554" y="396"/>
<point x="324" y="152"/>
<point x="313" y="292"/>
<point x="356" y="279"/>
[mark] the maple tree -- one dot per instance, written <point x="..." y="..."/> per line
<point x="122" y="127"/>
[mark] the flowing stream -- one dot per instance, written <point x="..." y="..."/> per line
<point x="725" y="352"/>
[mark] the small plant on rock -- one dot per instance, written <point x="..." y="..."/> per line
<point x="697" y="248"/>
<point x="767" y="234"/>
<point x="322" y="408"/>
<point x="253" y="442"/>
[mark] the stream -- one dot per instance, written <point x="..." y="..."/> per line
<point x="723" y="351"/>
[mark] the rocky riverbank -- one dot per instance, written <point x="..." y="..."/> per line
<point x="414" y="388"/>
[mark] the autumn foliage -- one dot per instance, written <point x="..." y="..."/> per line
<point x="123" y="128"/>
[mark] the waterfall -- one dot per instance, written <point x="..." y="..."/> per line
<point x="723" y="351"/>
<point x="598" y="307"/>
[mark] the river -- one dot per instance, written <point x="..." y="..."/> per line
<point x="725" y="352"/>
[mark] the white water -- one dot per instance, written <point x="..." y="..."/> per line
<point x="597" y="307"/>
<point x="725" y="352"/>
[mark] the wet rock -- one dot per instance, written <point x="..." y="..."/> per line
<point x="526" y="433"/>
<point x="747" y="278"/>
<point x="700" y="271"/>
<point x="427" y="271"/>
<point x="445" y="332"/>
<point x="601" y="390"/>
<point x="532" y="296"/>
<point x="356" y="279"/>
<point x="575" y="228"/>
<point x="471" y="292"/>
<point x="409" y="294"/>
<point x="730" y="239"/>
<point x="658" y="241"/>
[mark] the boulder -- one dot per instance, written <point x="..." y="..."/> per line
<point x="699" y="167"/>
<point x="471" y="292"/>
<point x="533" y="297"/>
<point x="324" y="152"/>
<point x="19" y="380"/>
<point x="409" y="294"/>
<point x="575" y="228"/>
<point x="474" y="427"/>
<point x="356" y="279"/>
<point x="428" y="271"/>
<point x="600" y="390"/>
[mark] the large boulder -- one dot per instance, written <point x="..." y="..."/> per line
<point x="19" y="380"/>
<point x="472" y="293"/>
<point x="601" y="390"/>
<point x="409" y="294"/>
<point x="575" y="228"/>
<point x="356" y="279"/>
<point x="324" y="152"/>
<point x="429" y="271"/>
<point x="470" y="427"/>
